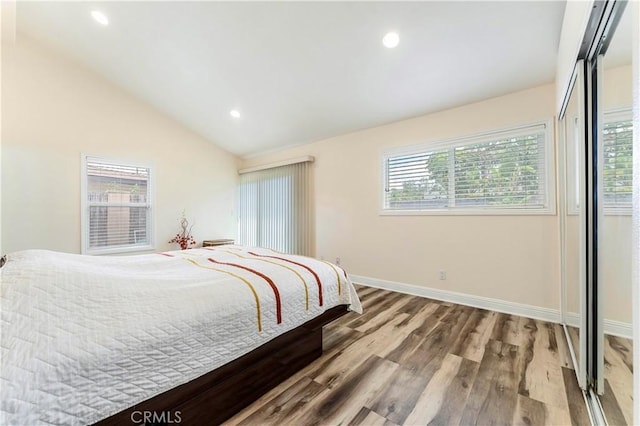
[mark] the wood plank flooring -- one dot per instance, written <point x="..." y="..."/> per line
<point x="414" y="361"/>
<point x="617" y="400"/>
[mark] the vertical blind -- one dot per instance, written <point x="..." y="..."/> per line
<point x="274" y="209"/>
<point x="118" y="207"/>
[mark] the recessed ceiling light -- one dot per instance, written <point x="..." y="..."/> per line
<point x="391" y="40"/>
<point x="100" y="17"/>
<point x="235" y="113"/>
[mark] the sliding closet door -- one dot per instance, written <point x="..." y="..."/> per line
<point x="573" y="223"/>
<point x="602" y="182"/>
<point x="615" y="180"/>
<point x="595" y="218"/>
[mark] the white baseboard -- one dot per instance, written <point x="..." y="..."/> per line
<point x="612" y="327"/>
<point x="498" y="305"/>
<point x="618" y="328"/>
<point x="573" y="319"/>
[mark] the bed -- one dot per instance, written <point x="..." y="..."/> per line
<point x="190" y="335"/>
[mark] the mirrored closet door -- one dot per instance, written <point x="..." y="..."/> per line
<point x="596" y="139"/>
<point x="615" y="161"/>
<point x="596" y="180"/>
<point x="572" y="172"/>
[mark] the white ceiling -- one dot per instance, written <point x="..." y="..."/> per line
<point x="300" y="72"/>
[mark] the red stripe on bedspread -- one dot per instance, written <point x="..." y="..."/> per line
<point x="263" y="276"/>
<point x="299" y="264"/>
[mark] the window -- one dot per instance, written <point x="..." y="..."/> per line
<point x="116" y="207"/>
<point x="617" y="176"/>
<point x="575" y="155"/>
<point x="274" y="208"/>
<point x="496" y="173"/>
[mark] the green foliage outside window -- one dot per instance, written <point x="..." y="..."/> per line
<point x="503" y="173"/>
<point x="618" y="163"/>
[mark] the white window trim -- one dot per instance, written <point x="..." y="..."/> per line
<point x="572" y="173"/>
<point x="84" y="206"/>
<point x="617" y="114"/>
<point x="518" y="130"/>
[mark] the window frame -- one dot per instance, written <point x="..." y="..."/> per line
<point x="84" y="207"/>
<point x="609" y="116"/>
<point x="486" y="136"/>
<point x="573" y="208"/>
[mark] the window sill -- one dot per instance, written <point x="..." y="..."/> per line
<point x="470" y="212"/>
<point x="624" y="211"/>
<point x="118" y="250"/>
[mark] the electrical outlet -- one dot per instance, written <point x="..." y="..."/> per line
<point x="443" y="275"/>
<point x="338" y="261"/>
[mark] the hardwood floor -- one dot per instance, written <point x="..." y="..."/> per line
<point x="414" y="361"/>
<point x="617" y="399"/>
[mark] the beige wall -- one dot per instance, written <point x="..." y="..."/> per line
<point x="573" y="264"/>
<point x="512" y="258"/>
<point x="53" y="110"/>
<point x="617" y="268"/>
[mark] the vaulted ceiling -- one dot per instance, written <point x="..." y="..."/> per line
<point x="303" y="71"/>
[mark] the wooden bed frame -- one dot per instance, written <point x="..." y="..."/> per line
<point x="223" y="392"/>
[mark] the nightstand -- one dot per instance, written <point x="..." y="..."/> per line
<point x="221" y="242"/>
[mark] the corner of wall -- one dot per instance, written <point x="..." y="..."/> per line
<point x="69" y="102"/>
<point x="7" y="35"/>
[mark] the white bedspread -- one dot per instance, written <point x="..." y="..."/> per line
<point x="86" y="337"/>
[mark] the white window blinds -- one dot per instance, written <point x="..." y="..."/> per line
<point x="617" y="176"/>
<point x="507" y="170"/>
<point x="116" y="208"/>
<point x="418" y="181"/>
<point x="274" y="208"/>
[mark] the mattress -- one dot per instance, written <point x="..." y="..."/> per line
<point x="86" y="337"/>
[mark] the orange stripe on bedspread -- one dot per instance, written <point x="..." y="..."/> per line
<point x="253" y="290"/>
<point x="337" y="276"/>
<point x="269" y="281"/>
<point x="304" y="283"/>
<point x="299" y="264"/>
